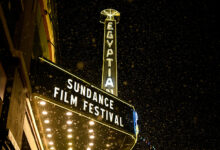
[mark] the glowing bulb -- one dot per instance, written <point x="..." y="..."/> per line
<point x="91" y="144"/>
<point x="42" y="103"/>
<point x="91" y="131"/>
<point x="46" y="121"/>
<point x="44" y="112"/>
<point x="107" y="145"/>
<point x="49" y="135"/>
<point x="70" y="148"/>
<point x="91" y="123"/>
<point x="91" y="136"/>
<point x="51" y="143"/>
<point x="52" y="148"/>
<point x="48" y="129"/>
<point x="69" y="122"/>
<point x="69" y="130"/>
<point x="69" y="136"/>
<point x="69" y="113"/>
<point x="88" y="148"/>
<point x="70" y="143"/>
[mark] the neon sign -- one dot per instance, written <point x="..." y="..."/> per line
<point x="109" y="70"/>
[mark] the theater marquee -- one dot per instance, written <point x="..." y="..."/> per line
<point x="60" y="87"/>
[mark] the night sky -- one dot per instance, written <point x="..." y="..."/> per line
<point x="167" y="64"/>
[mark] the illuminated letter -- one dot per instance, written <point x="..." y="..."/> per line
<point x="96" y="110"/>
<point x="61" y="95"/>
<point x="88" y="93"/>
<point x="109" y="43"/>
<point x="69" y="86"/>
<point x="109" y="26"/>
<point x="109" y="82"/>
<point x="95" y="96"/>
<point x="111" y="104"/>
<point x="76" y="87"/>
<point x="109" y="35"/>
<point x="73" y="100"/>
<point x="106" y="103"/>
<point x="103" y="110"/>
<point x="85" y="105"/>
<point x="82" y="90"/>
<point x="100" y="99"/>
<point x="110" y="116"/>
<point x="109" y="72"/>
<point x="56" y="89"/>
<point x="109" y="52"/>
<point x="109" y="61"/>
<point x="90" y="108"/>
<point x="65" y="96"/>
<point x="121" y="122"/>
<point x="116" y="120"/>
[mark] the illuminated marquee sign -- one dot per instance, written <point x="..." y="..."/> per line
<point x="60" y="87"/>
<point x="109" y="74"/>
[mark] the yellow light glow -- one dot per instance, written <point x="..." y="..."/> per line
<point x="70" y="148"/>
<point x="44" y="112"/>
<point x="69" y="130"/>
<point x="91" y="131"/>
<point x="46" y="121"/>
<point x="91" y="144"/>
<point x="49" y="135"/>
<point x="88" y="148"/>
<point x="91" y="136"/>
<point x="91" y="123"/>
<point x="52" y="148"/>
<point x="69" y="113"/>
<point x="70" y="143"/>
<point x="69" y="122"/>
<point x="69" y="136"/>
<point x="48" y="129"/>
<point x="107" y="145"/>
<point x="42" y="103"/>
<point x="51" y="143"/>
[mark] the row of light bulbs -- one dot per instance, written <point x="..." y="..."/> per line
<point x="69" y="130"/>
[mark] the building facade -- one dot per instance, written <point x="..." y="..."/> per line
<point x="26" y="32"/>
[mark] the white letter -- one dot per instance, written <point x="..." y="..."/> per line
<point x="109" y="35"/>
<point x="121" y="122"/>
<point x="109" y="61"/>
<point x="109" y="82"/>
<point x="76" y="87"/>
<point x="116" y="120"/>
<point x="95" y="96"/>
<point x="61" y="95"/>
<point x="109" y="26"/>
<point x="69" y="86"/>
<point x="88" y="93"/>
<point x="90" y="108"/>
<point x="85" y="105"/>
<point x="109" y="52"/>
<point x="109" y="43"/>
<point x="103" y="110"/>
<point x="65" y="96"/>
<point x="56" y="89"/>
<point x="100" y="99"/>
<point x="96" y="110"/>
<point x="110" y="116"/>
<point x="82" y="90"/>
<point x="111" y="104"/>
<point x="73" y="100"/>
<point x="106" y="104"/>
